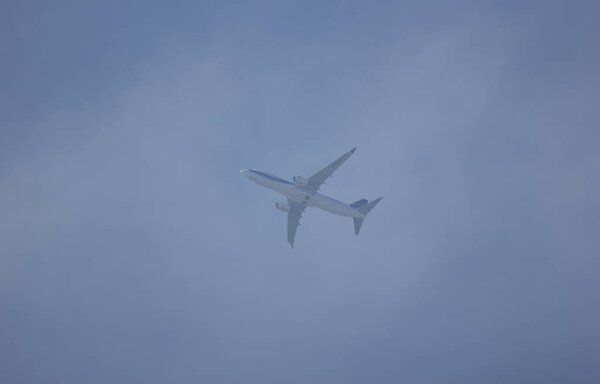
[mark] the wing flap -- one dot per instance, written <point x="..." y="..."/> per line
<point x="293" y="220"/>
<point x="315" y="181"/>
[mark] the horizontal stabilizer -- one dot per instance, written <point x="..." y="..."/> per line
<point x="367" y="207"/>
<point x="364" y="207"/>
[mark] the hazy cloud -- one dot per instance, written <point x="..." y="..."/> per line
<point x="132" y="250"/>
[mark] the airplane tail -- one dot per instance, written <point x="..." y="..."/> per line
<point x="364" y="207"/>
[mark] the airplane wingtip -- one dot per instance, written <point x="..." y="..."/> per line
<point x="352" y="150"/>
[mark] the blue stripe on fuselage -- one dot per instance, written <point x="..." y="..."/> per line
<point x="271" y="177"/>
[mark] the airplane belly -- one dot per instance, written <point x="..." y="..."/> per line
<point x="299" y="196"/>
<point x="278" y="187"/>
<point x="334" y="206"/>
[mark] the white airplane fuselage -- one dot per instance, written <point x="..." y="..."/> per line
<point x="295" y="192"/>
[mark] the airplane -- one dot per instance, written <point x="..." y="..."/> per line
<point x="302" y="193"/>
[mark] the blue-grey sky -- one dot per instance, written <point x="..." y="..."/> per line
<point x="131" y="250"/>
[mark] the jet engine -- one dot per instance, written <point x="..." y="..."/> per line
<point x="282" y="206"/>
<point x="301" y="181"/>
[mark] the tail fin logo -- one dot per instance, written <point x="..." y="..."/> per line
<point x="359" y="203"/>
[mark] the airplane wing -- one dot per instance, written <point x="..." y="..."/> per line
<point x="315" y="181"/>
<point x="293" y="219"/>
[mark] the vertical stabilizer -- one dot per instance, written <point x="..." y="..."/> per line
<point x="357" y="225"/>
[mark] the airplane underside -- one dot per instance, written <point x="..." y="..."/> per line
<point x="302" y="193"/>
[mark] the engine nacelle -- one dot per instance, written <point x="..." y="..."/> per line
<point x="282" y="206"/>
<point x="301" y="181"/>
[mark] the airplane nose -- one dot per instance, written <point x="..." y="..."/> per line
<point x="244" y="172"/>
